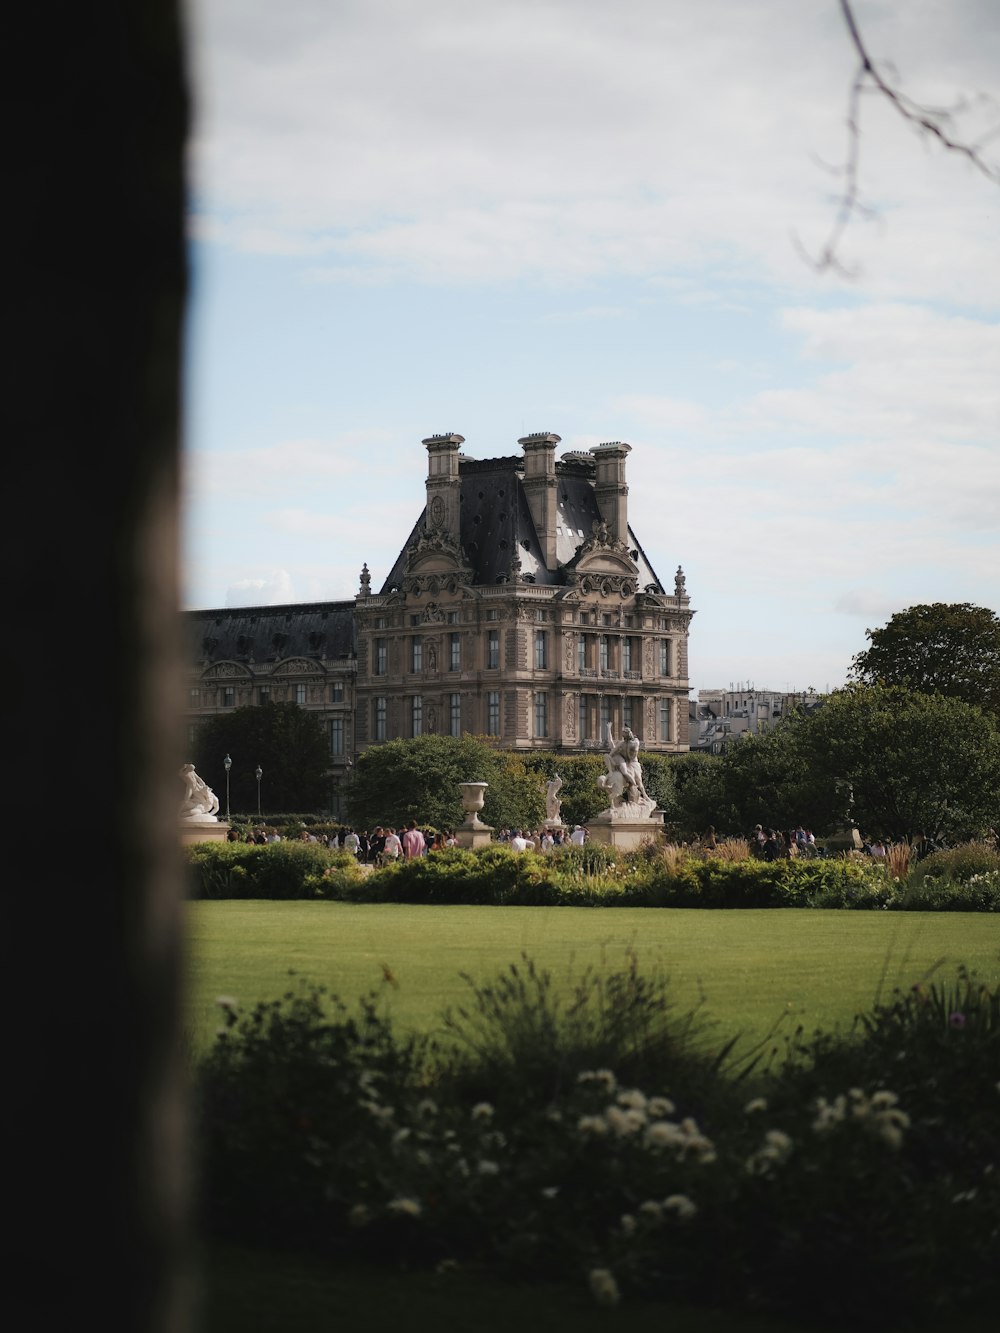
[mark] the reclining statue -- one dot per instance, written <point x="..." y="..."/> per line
<point x="200" y="801"/>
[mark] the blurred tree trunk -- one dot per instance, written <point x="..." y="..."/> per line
<point x="99" y="1214"/>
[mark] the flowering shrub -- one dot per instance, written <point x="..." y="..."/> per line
<point x="863" y="1167"/>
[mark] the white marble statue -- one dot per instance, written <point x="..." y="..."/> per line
<point x="623" y="779"/>
<point x="552" y="802"/>
<point x="200" y="801"/>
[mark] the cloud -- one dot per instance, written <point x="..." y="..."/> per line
<point x="276" y="589"/>
<point x="458" y="142"/>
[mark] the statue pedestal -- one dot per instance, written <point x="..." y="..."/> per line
<point x="203" y="830"/>
<point x="626" y="826"/>
<point x="473" y="833"/>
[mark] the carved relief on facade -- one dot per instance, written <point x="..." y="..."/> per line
<point x="431" y="717"/>
<point x="650" y="719"/>
<point x="569" y="717"/>
<point x="570" y="656"/>
<point x="432" y="658"/>
<point x="648" y="658"/>
<point x="294" y="666"/>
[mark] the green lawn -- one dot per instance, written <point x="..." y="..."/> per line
<point x="754" y="968"/>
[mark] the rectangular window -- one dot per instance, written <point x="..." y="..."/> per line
<point x="417" y="715"/>
<point x="337" y="737"/>
<point x="584" y="712"/>
<point x="493" y="713"/>
<point x="605" y="651"/>
<point x="454" y="652"/>
<point x="627" y="712"/>
<point x="664" y="657"/>
<point x="455" y="709"/>
<point x="627" y="654"/>
<point x="541" y="650"/>
<point x="337" y="692"/>
<point x="300" y="694"/>
<point x="493" y="615"/>
<point x="379" y="718"/>
<point x="194" y="698"/>
<point x="415" y="620"/>
<point x="541" y="714"/>
<point x="452" y="617"/>
<point x="416" y="653"/>
<point x="581" y="652"/>
<point x="381" y="656"/>
<point x="605" y="714"/>
<point x="540" y="614"/>
<point x="664" y="719"/>
<point x="493" y="649"/>
<point x="380" y="622"/>
<point x="264" y="694"/>
<point x="229" y="696"/>
<point x="192" y="733"/>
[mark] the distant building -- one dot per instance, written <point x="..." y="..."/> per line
<point x="721" y="716"/>
<point x="521" y="606"/>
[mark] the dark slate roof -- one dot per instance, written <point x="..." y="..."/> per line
<point x="496" y="521"/>
<point x="315" y="630"/>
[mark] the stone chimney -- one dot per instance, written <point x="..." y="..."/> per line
<point x="611" y="489"/>
<point x="540" y="488"/>
<point x="444" y="487"/>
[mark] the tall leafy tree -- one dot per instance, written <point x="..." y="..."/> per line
<point x="419" y="779"/>
<point x="903" y="762"/>
<point x="287" y="741"/>
<point x="949" y="648"/>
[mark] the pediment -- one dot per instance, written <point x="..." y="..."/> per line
<point x="294" y="666"/>
<point x="227" y="669"/>
<point x="605" y="560"/>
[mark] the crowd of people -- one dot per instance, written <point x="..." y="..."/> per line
<point x="385" y="843"/>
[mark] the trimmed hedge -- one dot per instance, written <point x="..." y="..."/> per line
<point x="575" y="877"/>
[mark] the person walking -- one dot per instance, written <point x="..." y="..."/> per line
<point x="392" y="849"/>
<point x="414" y="842"/>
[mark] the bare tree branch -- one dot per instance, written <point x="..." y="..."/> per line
<point x="932" y="121"/>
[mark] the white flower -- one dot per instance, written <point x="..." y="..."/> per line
<point x="627" y="1224"/>
<point x="664" y="1134"/>
<point x="681" y="1205"/>
<point x="758" y="1104"/>
<point x="776" y="1150"/>
<point x="488" y="1168"/>
<point x="359" y="1216"/>
<point x="403" y="1206"/>
<point x="624" y="1123"/>
<point x="633" y="1098"/>
<point x="604" y="1077"/>
<point x="658" y="1107"/>
<point x="482" y="1111"/>
<point x="400" y="1136"/>
<point x="592" y="1124"/>
<point x="603" y="1286"/>
<point x="550" y="1191"/>
<point x="426" y="1107"/>
<point x="651" y="1209"/>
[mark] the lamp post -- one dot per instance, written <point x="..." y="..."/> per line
<point x="227" y="764"/>
<point x="258" y="775"/>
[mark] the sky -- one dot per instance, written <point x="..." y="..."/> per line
<point x="495" y="217"/>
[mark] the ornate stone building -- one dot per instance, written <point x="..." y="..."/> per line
<point x="522" y="606"/>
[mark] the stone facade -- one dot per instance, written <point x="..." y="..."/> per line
<point x="521" y="606"/>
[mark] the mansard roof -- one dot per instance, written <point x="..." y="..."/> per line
<point x="320" y="631"/>
<point x="496" y="522"/>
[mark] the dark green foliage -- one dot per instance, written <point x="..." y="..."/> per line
<point x="419" y="779"/>
<point x="948" y="648"/>
<point x="288" y="742"/>
<point x="580" y="795"/>
<point x="279" y="870"/>
<point x="543" y="1137"/>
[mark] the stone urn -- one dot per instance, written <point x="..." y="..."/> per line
<point x="473" y="795"/>
<point x="473" y="832"/>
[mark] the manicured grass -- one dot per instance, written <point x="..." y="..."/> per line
<point x="250" y="1292"/>
<point x="754" y="968"/>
